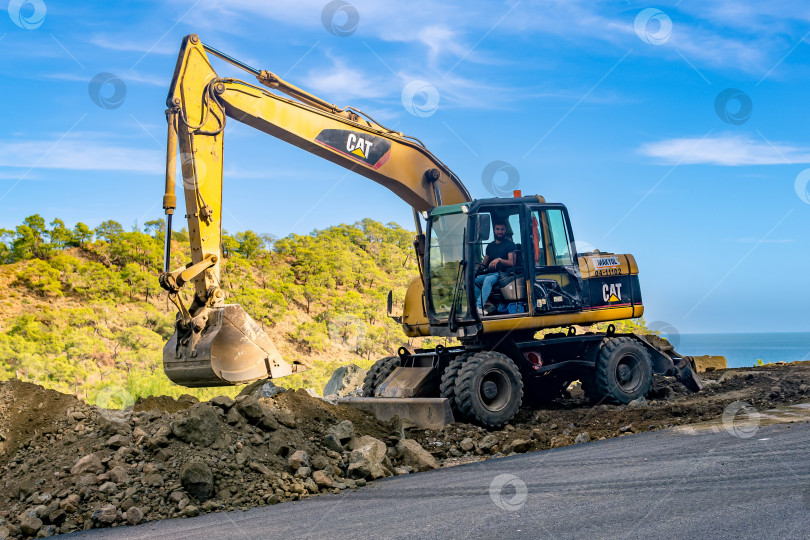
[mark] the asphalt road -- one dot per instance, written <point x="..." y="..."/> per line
<point x="651" y="485"/>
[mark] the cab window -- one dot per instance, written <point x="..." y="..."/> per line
<point x="560" y="242"/>
<point x="550" y="239"/>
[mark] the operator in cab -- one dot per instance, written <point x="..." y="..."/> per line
<point x="500" y="255"/>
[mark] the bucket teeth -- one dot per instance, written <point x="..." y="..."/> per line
<point x="231" y="349"/>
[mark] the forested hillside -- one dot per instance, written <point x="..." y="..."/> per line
<point x="81" y="310"/>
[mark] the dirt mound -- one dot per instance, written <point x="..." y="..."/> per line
<point x="313" y="413"/>
<point x="572" y="419"/>
<point x="75" y="466"/>
<point x="28" y="410"/>
<point x="165" y="403"/>
<point x="70" y="466"/>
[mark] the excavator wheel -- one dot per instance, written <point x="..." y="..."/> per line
<point x="380" y="371"/>
<point x="447" y="388"/>
<point x="623" y="372"/>
<point x="489" y="388"/>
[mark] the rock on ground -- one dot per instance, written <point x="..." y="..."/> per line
<point x="366" y="458"/>
<point x="88" y="464"/>
<point x="197" y="425"/>
<point x="67" y="466"/>
<point x="412" y="454"/>
<point x="262" y="389"/>
<point x="197" y="479"/>
<point x="344" y="381"/>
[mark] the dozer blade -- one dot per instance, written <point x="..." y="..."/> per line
<point x="426" y="413"/>
<point x="232" y="349"/>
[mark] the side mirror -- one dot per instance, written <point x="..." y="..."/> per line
<point x="390" y="302"/>
<point x="482" y="225"/>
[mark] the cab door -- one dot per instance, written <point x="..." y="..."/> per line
<point x="556" y="281"/>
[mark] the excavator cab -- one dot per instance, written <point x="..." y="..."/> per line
<point x="545" y="279"/>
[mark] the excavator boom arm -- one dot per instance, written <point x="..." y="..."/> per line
<point x="199" y="105"/>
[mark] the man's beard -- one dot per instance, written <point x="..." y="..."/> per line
<point x="498" y="237"/>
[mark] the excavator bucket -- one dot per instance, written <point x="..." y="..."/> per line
<point x="231" y="349"/>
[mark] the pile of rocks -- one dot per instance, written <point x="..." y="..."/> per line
<point x="98" y="468"/>
<point x="67" y="466"/>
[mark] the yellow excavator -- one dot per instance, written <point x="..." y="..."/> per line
<point x="499" y="363"/>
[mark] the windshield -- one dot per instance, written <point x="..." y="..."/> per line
<point x="446" y="251"/>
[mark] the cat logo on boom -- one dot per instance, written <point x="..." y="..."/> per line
<point x="356" y="145"/>
<point x="363" y="147"/>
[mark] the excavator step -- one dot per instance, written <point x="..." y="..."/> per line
<point x="426" y="413"/>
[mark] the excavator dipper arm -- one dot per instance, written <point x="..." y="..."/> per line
<point x="217" y="343"/>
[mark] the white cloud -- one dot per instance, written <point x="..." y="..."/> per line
<point x="442" y="28"/>
<point x="726" y="150"/>
<point x="128" y="76"/>
<point x="140" y="46"/>
<point x="438" y="35"/>
<point x="341" y="83"/>
<point x="80" y="152"/>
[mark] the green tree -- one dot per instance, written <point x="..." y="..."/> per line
<point x="59" y="235"/>
<point x="81" y="235"/>
<point x="41" y="277"/>
<point x="250" y="244"/>
<point x="139" y="281"/>
<point x="29" y="242"/>
<point x="182" y="235"/>
<point x="311" y="335"/>
<point x="6" y="237"/>
<point x="155" y="227"/>
<point x="109" y="231"/>
<point x="230" y="244"/>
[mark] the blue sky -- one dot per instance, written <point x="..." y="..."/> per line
<point x="673" y="131"/>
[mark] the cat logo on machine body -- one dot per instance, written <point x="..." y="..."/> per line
<point x="612" y="292"/>
<point x="363" y="147"/>
<point x="607" y="266"/>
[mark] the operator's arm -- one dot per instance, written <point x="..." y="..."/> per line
<point x="509" y="262"/>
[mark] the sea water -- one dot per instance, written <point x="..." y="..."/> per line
<point x="743" y="350"/>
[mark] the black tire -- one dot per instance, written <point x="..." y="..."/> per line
<point x="623" y="372"/>
<point x="489" y="389"/>
<point x="380" y="371"/>
<point x="447" y="388"/>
